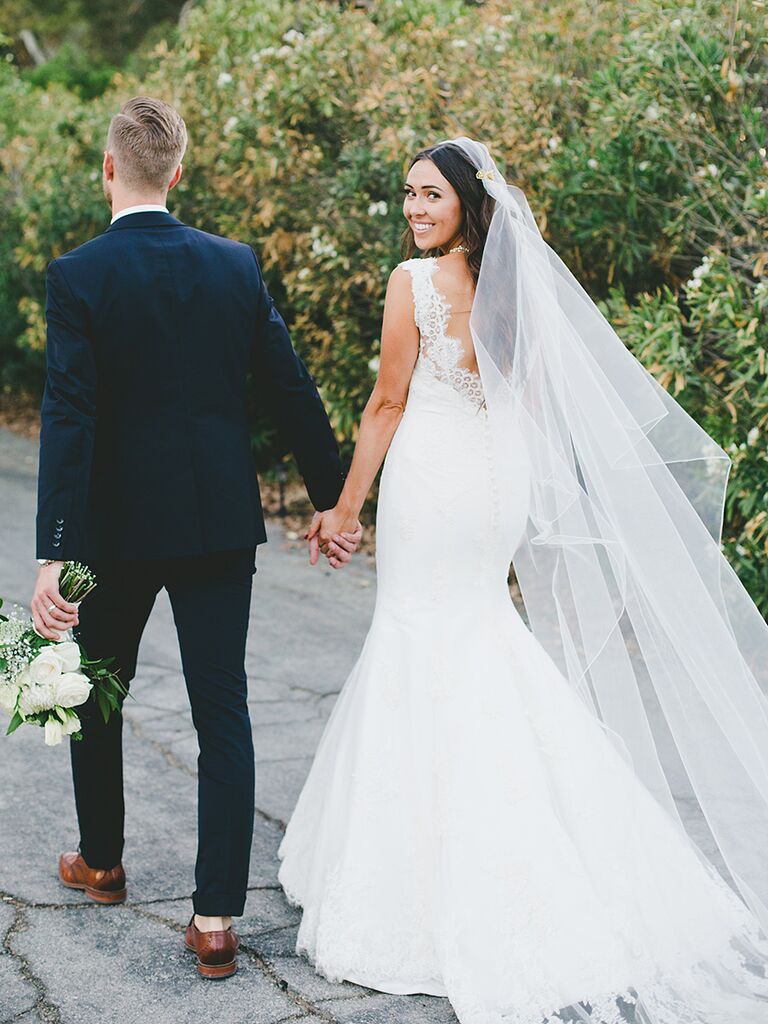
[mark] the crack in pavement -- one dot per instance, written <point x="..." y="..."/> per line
<point x="262" y="963"/>
<point x="22" y="903"/>
<point x="47" y="1010"/>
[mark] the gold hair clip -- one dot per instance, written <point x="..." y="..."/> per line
<point x="487" y="175"/>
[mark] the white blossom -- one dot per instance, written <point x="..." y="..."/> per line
<point x="699" y="273"/>
<point x="651" y="112"/>
<point x="8" y="694"/>
<point x="323" y="248"/>
<point x="592" y="163"/>
<point x="53" y="732"/>
<point x="380" y="208"/>
<point x="71" y="689"/>
<point x="459" y="44"/>
<point x="293" y="36"/>
<point x="224" y="79"/>
<point x="753" y="435"/>
<point x="72" y="724"/>
<point x="34" y="699"/>
<point x="230" y="124"/>
<point x="553" y="142"/>
<point x="373" y="364"/>
<point x="69" y="652"/>
<point x="47" y="666"/>
<point x="644" y="165"/>
<point x="704" y="268"/>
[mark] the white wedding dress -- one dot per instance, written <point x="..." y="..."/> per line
<point x="468" y="827"/>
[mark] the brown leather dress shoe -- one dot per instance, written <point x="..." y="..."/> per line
<point x="100" y="885"/>
<point x="215" y="950"/>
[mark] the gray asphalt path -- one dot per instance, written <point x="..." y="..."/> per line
<point x="67" y="961"/>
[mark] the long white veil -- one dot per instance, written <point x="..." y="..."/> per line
<point x="620" y="565"/>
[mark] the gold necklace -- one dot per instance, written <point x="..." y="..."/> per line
<point x="458" y="248"/>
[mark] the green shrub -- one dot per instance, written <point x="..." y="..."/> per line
<point x="637" y="133"/>
<point x="707" y="346"/>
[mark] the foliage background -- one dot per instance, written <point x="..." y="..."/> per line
<point x="638" y="132"/>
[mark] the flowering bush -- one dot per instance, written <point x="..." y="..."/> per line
<point x="707" y="346"/>
<point x="638" y="134"/>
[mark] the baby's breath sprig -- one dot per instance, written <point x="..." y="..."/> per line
<point x="76" y="582"/>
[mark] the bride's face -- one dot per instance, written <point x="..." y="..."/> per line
<point x="432" y="207"/>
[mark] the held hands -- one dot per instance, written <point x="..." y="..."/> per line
<point x="336" y="533"/>
<point x="51" y="614"/>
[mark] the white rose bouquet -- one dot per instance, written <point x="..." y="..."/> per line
<point x="43" y="681"/>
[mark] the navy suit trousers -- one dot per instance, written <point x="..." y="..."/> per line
<point x="210" y="596"/>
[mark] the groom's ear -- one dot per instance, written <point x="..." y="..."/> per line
<point x="108" y="166"/>
<point x="175" y="179"/>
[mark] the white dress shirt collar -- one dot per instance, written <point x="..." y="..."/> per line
<point x="147" y="208"/>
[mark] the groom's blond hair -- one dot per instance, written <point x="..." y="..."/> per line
<point x="147" y="140"/>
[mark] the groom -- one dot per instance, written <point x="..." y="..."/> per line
<point x="146" y="475"/>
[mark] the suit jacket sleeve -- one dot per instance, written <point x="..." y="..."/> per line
<point x="294" y="403"/>
<point x="68" y="424"/>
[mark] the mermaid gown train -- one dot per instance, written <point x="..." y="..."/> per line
<point x="468" y="827"/>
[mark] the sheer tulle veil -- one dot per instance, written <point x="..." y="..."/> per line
<point x="620" y="563"/>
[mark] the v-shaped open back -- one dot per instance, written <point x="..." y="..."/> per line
<point x="447" y="356"/>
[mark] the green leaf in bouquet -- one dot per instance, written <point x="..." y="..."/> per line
<point x="103" y="703"/>
<point x="14" y="723"/>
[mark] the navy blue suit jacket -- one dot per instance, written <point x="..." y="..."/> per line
<point x="145" y="452"/>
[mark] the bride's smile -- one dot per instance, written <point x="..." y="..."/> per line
<point x="431" y="207"/>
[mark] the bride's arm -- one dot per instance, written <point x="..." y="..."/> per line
<point x="383" y="411"/>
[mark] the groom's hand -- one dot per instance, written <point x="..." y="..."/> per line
<point x="342" y="546"/>
<point x="51" y="614"/>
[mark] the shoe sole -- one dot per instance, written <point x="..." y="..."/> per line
<point x="215" y="971"/>
<point x="98" y="895"/>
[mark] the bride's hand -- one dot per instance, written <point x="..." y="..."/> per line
<point x="336" y="533"/>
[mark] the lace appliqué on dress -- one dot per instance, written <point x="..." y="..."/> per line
<point x="438" y="351"/>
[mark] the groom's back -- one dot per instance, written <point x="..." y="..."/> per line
<point x="171" y="309"/>
<point x="171" y="315"/>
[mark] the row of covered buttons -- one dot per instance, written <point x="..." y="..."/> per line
<point x="57" y="533"/>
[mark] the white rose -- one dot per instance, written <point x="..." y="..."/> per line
<point x="69" y="652"/>
<point x="71" y="689"/>
<point x="53" y="732"/>
<point x="47" y="666"/>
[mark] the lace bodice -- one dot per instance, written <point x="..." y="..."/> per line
<point x="439" y="352"/>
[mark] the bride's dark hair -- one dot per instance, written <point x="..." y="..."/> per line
<point x="477" y="206"/>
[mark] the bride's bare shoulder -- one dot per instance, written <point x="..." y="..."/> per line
<point x="399" y="291"/>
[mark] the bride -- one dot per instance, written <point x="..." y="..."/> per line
<point x="489" y="816"/>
